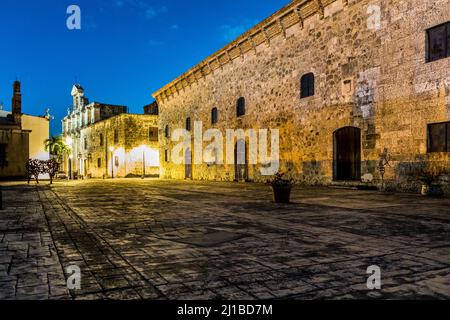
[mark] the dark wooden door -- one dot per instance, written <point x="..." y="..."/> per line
<point x="347" y="154"/>
<point x="188" y="164"/>
<point x="240" y="161"/>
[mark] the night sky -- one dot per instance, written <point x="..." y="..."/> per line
<point x="126" y="49"/>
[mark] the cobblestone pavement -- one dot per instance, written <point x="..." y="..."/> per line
<point x="158" y="239"/>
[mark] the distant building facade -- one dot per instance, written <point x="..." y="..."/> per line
<point x="108" y="142"/>
<point x="342" y="80"/>
<point x="22" y="137"/>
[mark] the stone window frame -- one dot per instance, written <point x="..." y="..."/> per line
<point x="446" y="39"/>
<point x="307" y="85"/>
<point x="214" y="115"/>
<point x="241" y="105"/>
<point x="444" y="144"/>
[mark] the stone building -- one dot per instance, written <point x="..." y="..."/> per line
<point x="22" y="137"/>
<point x="108" y="142"/>
<point x="342" y="80"/>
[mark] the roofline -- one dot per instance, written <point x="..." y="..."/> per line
<point x="295" y="12"/>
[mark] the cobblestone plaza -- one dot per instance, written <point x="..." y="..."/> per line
<point x="157" y="239"/>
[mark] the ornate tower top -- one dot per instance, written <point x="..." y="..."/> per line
<point x="17" y="102"/>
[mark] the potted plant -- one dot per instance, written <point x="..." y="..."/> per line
<point x="281" y="188"/>
<point x="430" y="175"/>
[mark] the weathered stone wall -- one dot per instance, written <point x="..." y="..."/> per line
<point x="132" y="136"/>
<point x="17" y="152"/>
<point x="373" y="79"/>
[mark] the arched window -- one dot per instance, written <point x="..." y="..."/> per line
<point x="307" y="85"/>
<point x="240" y="107"/>
<point x="188" y="124"/>
<point x="167" y="132"/>
<point x="214" y="116"/>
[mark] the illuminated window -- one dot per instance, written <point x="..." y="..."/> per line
<point x="116" y="161"/>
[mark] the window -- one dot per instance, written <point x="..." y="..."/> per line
<point x="116" y="136"/>
<point x="153" y="134"/>
<point x="99" y="162"/>
<point x="3" y="162"/>
<point x="85" y="143"/>
<point x="188" y="124"/>
<point x="439" y="137"/>
<point x="166" y="155"/>
<point x="116" y="161"/>
<point x="214" y="116"/>
<point x="307" y="85"/>
<point x="240" y="107"/>
<point x="438" y="46"/>
<point x="167" y="132"/>
<point x="101" y="139"/>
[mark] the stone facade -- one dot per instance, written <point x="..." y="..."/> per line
<point x="368" y="76"/>
<point x="106" y="141"/>
<point x="22" y="137"/>
<point x="119" y="147"/>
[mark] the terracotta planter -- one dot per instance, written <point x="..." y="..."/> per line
<point x="281" y="194"/>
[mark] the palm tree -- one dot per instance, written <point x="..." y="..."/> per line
<point x="57" y="147"/>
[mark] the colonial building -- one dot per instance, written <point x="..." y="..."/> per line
<point x="343" y="81"/>
<point x="22" y="137"/>
<point x="108" y="142"/>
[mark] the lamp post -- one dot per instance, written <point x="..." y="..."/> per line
<point x="111" y="149"/>
<point x="143" y="161"/>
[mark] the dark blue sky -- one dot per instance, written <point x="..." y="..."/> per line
<point x="126" y="49"/>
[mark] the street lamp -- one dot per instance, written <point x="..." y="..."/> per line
<point x="111" y="149"/>
<point x="143" y="161"/>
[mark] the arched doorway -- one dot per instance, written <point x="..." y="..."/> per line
<point x="240" y="161"/>
<point x="188" y="164"/>
<point x="347" y="154"/>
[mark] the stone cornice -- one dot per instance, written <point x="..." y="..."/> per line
<point x="290" y="15"/>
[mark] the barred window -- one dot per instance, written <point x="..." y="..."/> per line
<point x="439" y="137"/>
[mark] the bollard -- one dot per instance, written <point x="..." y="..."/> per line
<point x="1" y="197"/>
